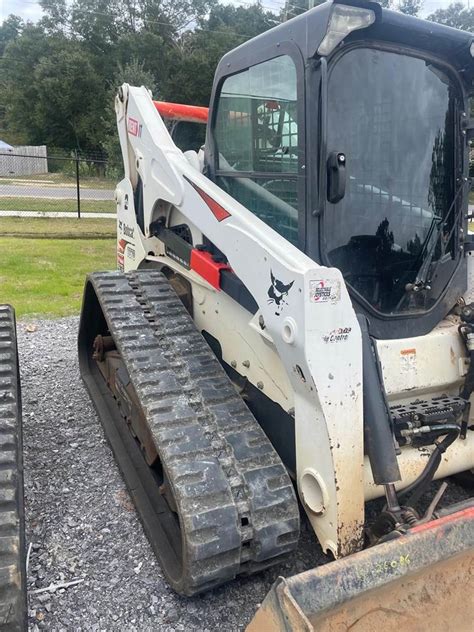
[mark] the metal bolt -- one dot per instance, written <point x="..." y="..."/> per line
<point x="246" y="363"/>
<point x="233" y="364"/>
<point x="261" y="322"/>
<point x="260" y="385"/>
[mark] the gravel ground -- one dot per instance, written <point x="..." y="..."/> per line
<point x="82" y="524"/>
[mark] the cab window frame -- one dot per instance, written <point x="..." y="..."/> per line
<point x="239" y="65"/>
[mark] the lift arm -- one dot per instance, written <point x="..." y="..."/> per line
<point x="323" y="365"/>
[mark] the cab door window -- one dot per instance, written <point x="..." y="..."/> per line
<point x="256" y="134"/>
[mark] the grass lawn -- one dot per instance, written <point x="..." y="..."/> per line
<point x="58" y="179"/>
<point x="51" y="204"/>
<point x="60" y="228"/>
<point x="46" y="276"/>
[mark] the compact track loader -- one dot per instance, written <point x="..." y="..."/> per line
<point x="294" y="307"/>
<point x="12" y="517"/>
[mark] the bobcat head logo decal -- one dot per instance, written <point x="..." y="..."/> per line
<point x="277" y="293"/>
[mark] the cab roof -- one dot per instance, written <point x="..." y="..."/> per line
<point x="309" y="29"/>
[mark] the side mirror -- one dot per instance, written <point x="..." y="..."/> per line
<point x="336" y="168"/>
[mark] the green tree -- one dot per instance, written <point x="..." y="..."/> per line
<point x="17" y="83"/>
<point x="10" y="30"/>
<point x="292" y="8"/>
<point x="58" y="76"/>
<point x="456" y="15"/>
<point x="52" y="92"/>
<point x="199" y="51"/>
<point x="133" y="73"/>
<point x="410" y="7"/>
<point x="102" y="22"/>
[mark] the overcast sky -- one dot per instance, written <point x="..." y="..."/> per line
<point x="30" y="10"/>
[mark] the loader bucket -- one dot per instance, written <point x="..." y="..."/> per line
<point x="423" y="580"/>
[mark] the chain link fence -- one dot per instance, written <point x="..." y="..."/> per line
<point x="62" y="185"/>
<point x="57" y="185"/>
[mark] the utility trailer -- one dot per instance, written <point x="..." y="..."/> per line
<point x="294" y="308"/>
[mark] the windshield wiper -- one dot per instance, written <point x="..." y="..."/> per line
<point x="421" y="281"/>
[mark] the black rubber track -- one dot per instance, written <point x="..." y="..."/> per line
<point x="12" y="518"/>
<point x="237" y="509"/>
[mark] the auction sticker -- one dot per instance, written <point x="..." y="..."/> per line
<point x="324" y="291"/>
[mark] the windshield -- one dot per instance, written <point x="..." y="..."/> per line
<point x="393" y="117"/>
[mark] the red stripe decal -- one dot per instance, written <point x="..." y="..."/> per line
<point x="216" y="209"/>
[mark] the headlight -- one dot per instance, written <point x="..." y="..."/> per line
<point x="345" y="19"/>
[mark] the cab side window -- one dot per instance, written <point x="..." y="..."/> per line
<point x="256" y="134"/>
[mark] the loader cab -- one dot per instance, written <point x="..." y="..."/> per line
<point x="345" y="131"/>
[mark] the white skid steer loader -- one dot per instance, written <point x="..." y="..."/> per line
<point x="294" y="305"/>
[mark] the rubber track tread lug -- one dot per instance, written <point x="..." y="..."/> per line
<point x="12" y="525"/>
<point x="237" y="507"/>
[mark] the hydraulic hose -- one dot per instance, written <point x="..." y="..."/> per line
<point x="378" y="436"/>
<point x="468" y="386"/>
<point x="421" y="484"/>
